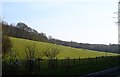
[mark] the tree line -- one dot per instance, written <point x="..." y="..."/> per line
<point x="97" y="47"/>
<point x="21" y="30"/>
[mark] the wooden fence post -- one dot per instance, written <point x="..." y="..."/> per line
<point x="49" y="63"/>
<point x="56" y="63"/>
<point x="79" y="60"/>
<point x="39" y="63"/>
<point x="62" y="63"/>
<point x="74" y="61"/>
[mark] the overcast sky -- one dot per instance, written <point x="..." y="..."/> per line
<point x="84" y="21"/>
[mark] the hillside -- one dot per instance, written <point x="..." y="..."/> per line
<point x="20" y="44"/>
<point x="21" y="30"/>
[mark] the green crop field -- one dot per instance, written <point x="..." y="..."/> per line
<point x="20" y="44"/>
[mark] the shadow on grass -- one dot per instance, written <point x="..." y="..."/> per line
<point x="58" y="67"/>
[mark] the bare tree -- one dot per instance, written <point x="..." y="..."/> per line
<point x="51" y="52"/>
<point x="13" y="59"/>
<point x="30" y="52"/>
<point x="39" y="57"/>
<point x="39" y="54"/>
<point x="30" y="57"/>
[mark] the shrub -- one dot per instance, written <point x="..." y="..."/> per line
<point x="6" y="44"/>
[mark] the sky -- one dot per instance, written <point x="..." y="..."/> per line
<point x="83" y="21"/>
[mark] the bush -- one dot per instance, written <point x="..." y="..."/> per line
<point x="6" y="44"/>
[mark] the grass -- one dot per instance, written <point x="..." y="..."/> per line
<point x="20" y="44"/>
<point x="89" y="61"/>
<point x="63" y="68"/>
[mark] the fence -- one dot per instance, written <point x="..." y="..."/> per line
<point x="65" y="65"/>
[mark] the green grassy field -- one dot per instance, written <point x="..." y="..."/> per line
<point x="60" y="67"/>
<point x="20" y="44"/>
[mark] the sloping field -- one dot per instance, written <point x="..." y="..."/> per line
<point x="20" y="44"/>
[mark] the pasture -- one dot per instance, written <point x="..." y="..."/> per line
<point x="20" y="44"/>
<point x="69" y="62"/>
